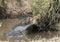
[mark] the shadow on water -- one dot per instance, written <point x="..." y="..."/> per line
<point x="29" y="32"/>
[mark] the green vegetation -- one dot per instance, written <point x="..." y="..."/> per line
<point x="3" y="3"/>
<point x="3" y="6"/>
<point x="48" y="9"/>
<point x="40" y="6"/>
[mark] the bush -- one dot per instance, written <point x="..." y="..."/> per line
<point x="3" y="9"/>
<point x="40" y="6"/>
<point x="49" y="18"/>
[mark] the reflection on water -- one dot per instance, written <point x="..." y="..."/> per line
<point x="17" y="35"/>
<point x="17" y="30"/>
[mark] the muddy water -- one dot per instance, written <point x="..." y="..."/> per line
<point x="8" y="24"/>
